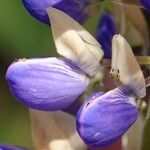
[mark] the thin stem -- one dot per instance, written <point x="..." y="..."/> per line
<point x="129" y="2"/>
<point x="93" y="7"/>
<point x="146" y="130"/>
<point x="143" y="60"/>
<point x="123" y="18"/>
<point x="147" y="80"/>
<point x="120" y="17"/>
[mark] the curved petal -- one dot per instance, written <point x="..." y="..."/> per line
<point x="46" y="83"/>
<point x="106" y="117"/>
<point x="74" y="42"/>
<point x="125" y="67"/>
<point x="74" y="8"/>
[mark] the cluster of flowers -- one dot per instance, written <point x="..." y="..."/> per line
<point x="56" y="83"/>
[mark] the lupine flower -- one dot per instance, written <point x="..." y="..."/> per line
<point x="75" y="8"/>
<point x="104" y="117"/>
<point x="53" y="83"/>
<point x="105" y="32"/>
<point x="146" y="4"/>
<point x="8" y="147"/>
<point x="46" y="83"/>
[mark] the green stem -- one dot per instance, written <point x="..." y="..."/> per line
<point x="146" y="131"/>
<point x="143" y="60"/>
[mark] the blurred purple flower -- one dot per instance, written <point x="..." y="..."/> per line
<point x="8" y="147"/>
<point x="105" y="32"/>
<point x="75" y="8"/>
<point x="146" y="4"/>
<point x="46" y="83"/>
<point x="104" y="117"/>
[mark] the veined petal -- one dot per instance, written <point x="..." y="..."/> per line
<point x="46" y="83"/>
<point x="74" y="8"/>
<point x="106" y="117"/>
<point x="74" y="42"/>
<point x="8" y="147"/>
<point x="125" y="67"/>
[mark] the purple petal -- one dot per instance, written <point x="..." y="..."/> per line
<point x="146" y="4"/>
<point x="74" y="8"/>
<point x="104" y="119"/>
<point x="46" y="83"/>
<point x="73" y="109"/>
<point x="105" y="32"/>
<point x="7" y="147"/>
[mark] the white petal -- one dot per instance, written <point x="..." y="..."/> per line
<point x="74" y="42"/>
<point x="55" y="131"/>
<point x="125" y="66"/>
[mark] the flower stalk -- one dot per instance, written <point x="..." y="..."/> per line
<point x="146" y="130"/>
<point x="129" y="2"/>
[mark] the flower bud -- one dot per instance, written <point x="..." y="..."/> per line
<point x="105" y="32"/>
<point x="104" y="117"/>
<point x="74" y="8"/>
<point x="46" y="83"/>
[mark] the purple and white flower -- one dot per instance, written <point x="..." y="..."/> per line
<point x="104" y="117"/>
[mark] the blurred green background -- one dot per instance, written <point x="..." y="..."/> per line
<point x="21" y="36"/>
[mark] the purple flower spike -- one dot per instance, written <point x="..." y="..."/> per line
<point x="105" y="32"/>
<point x="103" y="118"/>
<point x="146" y="4"/>
<point x="7" y="147"/>
<point x="46" y="83"/>
<point x="74" y="8"/>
